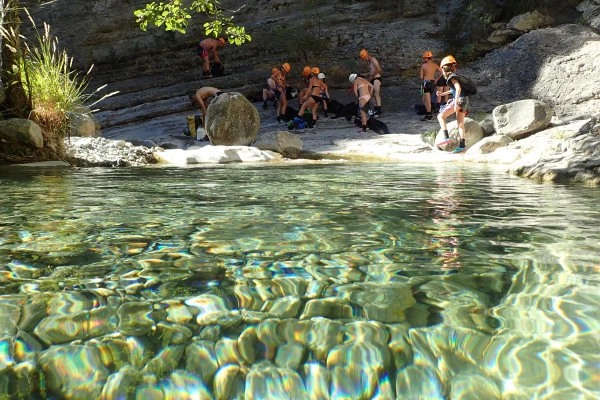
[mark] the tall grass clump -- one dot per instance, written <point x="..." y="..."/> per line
<point x="55" y="89"/>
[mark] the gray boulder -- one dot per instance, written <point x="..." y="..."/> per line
<point x="487" y="125"/>
<point x="521" y="118"/>
<point x="23" y="131"/>
<point x="590" y="10"/>
<point x="473" y="134"/>
<point x="490" y="144"/>
<point x="282" y="142"/>
<point x="231" y="120"/>
<point x="503" y="35"/>
<point x="83" y="124"/>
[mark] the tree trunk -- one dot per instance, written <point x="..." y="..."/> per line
<point x="17" y="102"/>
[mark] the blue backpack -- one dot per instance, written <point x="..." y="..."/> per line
<point x="297" y="123"/>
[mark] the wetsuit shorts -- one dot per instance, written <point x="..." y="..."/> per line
<point x="441" y="82"/>
<point x="317" y="99"/>
<point x="463" y="103"/>
<point x="202" y="50"/>
<point x="427" y="87"/>
<point x="376" y="79"/>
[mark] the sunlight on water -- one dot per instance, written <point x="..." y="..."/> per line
<point x="340" y="281"/>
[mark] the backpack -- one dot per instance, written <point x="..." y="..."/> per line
<point x="217" y="69"/>
<point x="468" y="87"/>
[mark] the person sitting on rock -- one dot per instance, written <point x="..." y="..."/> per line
<point x="314" y="99"/>
<point x="429" y="69"/>
<point x="459" y="104"/>
<point x="363" y="90"/>
<point x="204" y="95"/>
<point x="375" y="76"/>
<point x="205" y="48"/>
<point x="271" y="92"/>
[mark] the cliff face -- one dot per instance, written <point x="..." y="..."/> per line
<point x="155" y="70"/>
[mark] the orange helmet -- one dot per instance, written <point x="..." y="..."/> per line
<point x="427" y="54"/>
<point x="286" y="67"/>
<point x="315" y="70"/>
<point x="306" y="71"/>
<point x="447" y="60"/>
<point x="364" y="54"/>
<point x="223" y="41"/>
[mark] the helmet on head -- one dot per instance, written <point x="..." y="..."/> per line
<point x="286" y="67"/>
<point x="364" y="54"/>
<point x="427" y="54"/>
<point x="352" y="77"/>
<point x="223" y="41"/>
<point x="315" y="70"/>
<point x="306" y="71"/>
<point x="447" y="60"/>
<point x="321" y="76"/>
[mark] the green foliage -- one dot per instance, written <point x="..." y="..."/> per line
<point x="174" y="15"/>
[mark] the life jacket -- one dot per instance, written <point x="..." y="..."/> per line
<point x="468" y="88"/>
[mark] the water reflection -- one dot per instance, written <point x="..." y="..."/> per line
<point x="324" y="281"/>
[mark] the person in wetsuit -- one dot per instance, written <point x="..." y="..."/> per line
<point x="314" y="98"/>
<point x="430" y="74"/>
<point x="375" y="76"/>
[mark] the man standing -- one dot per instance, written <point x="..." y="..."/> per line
<point x="429" y="69"/>
<point x="375" y="77"/>
<point x="205" y="47"/>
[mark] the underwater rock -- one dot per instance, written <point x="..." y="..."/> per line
<point x="419" y="382"/>
<point x="135" y="318"/>
<point x="285" y="307"/>
<point x="382" y="301"/>
<point x="182" y="385"/>
<point x="201" y="359"/>
<point x="266" y="381"/>
<point x="121" y="384"/>
<point x="290" y="355"/>
<point x="230" y="383"/>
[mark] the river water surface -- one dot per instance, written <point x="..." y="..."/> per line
<point x="322" y="281"/>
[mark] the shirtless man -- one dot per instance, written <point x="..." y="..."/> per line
<point x="429" y="70"/>
<point x="204" y="94"/>
<point x="375" y="77"/>
<point x="278" y="75"/>
<point x="205" y="47"/>
<point x="362" y="89"/>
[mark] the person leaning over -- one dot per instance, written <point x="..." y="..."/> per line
<point x="429" y="69"/>
<point x="375" y="76"/>
<point x="204" y="95"/>
<point x="363" y="90"/>
<point x="314" y="98"/>
<point x="459" y="104"/>
<point x="205" y="48"/>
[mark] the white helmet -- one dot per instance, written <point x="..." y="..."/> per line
<point x="321" y="76"/>
<point x="352" y="77"/>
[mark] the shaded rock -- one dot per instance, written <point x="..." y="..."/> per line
<point x="487" y="126"/>
<point x="231" y="120"/>
<point x="22" y="131"/>
<point x="520" y="118"/>
<point x="504" y="35"/>
<point x="82" y="124"/>
<point x="282" y="142"/>
<point x="135" y="318"/>
<point x="590" y="13"/>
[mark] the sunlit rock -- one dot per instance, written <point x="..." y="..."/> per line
<point x="248" y="345"/>
<point x="285" y="307"/>
<point x="73" y="371"/>
<point x="473" y="386"/>
<point x="25" y="347"/>
<point x="201" y="359"/>
<point x="289" y="286"/>
<point x="268" y="334"/>
<point x="520" y="118"/>
<point x="419" y="382"/>
<point x="371" y="331"/>
<point x="135" y="318"/>
<point x="317" y="380"/>
<point x="177" y="312"/>
<point x="352" y="382"/>
<point x="165" y="361"/>
<point x="399" y="345"/>
<point x="328" y="308"/>
<point x="10" y="317"/>
<point x="62" y="328"/>
<point x="266" y="381"/>
<point x="173" y="333"/>
<point x="324" y="335"/>
<point x="209" y="307"/>
<point x="149" y="389"/>
<point x="383" y="302"/>
<point x="182" y="385"/>
<point x="290" y="355"/>
<point x="227" y="351"/>
<point x="121" y="384"/>
<point x="230" y="383"/>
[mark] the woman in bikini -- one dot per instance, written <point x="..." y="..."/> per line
<point x="363" y="89"/>
<point x="314" y="99"/>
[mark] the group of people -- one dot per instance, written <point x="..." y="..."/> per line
<point x="436" y="79"/>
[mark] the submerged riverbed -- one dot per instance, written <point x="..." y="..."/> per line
<point x="343" y="281"/>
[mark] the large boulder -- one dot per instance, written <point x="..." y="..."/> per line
<point x="590" y="12"/>
<point x="490" y="144"/>
<point x="530" y="21"/>
<point x="22" y="131"/>
<point x="231" y="120"/>
<point x="521" y="118"/>
<point x="282" y="142"/>
<point x="473" y="134"/>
